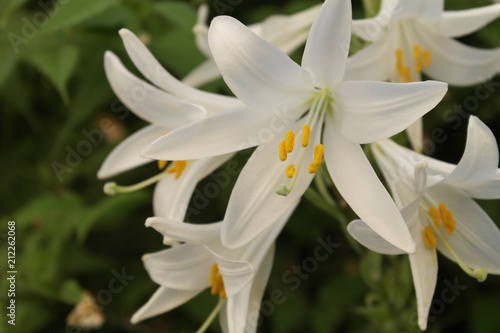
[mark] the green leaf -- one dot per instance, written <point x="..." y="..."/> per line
<point x="57" y="65"/>
<point x="8" y="62"/>
<point x="8" y="6"/>
<point x="180" y="14"/>
<point x="74" y="12"/>
<point x="70" y="292"/>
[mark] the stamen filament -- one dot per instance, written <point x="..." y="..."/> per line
<point x="111" y="188"/>
<point x="212" y="315"/>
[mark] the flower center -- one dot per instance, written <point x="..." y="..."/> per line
<point x="442" y="217"/>
<point x="421" y="58"/>
<point x="216" y="282"/>
<point x="320" y="103"/>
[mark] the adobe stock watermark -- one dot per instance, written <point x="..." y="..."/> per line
<point x="104" y="297"/>
<point x="31" y="26"/>
<point x="292" y="279"/>
<point x="223" y="6"/>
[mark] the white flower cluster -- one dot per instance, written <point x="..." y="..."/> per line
<point x="301" y="118"/>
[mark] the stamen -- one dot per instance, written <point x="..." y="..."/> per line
<point x="290" y="171"/>
<point x="416" y="56"/>
<point x="282" y="151"/>
<point x="435" y="217"/>
<point x="289" y="141"/>
<point x="216" y="282"/>
<point x="318" y="155"/>
<point x="426" y="56"/>
<point x="306" y="130"/>
<point x="162" y="165"/>
<point x="178" y="167"/>
<point x="111" y="188"/>
<point x="429" y="238"/>
<point x="447" y="218"/>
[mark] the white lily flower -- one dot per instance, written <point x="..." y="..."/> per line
<point x="238" y="275"/>
<point x="286" y="32"/>
<point x="311" y="96"/>
<point x="437" y="205"/>
<point x="166" y="110"/>
<point x="410" y="37"/>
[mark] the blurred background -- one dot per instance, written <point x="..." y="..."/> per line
<point x="71" y="238"/>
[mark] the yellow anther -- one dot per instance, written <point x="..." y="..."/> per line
<point x="290" y="171"/>
<point x="448" y="222"/>
<point x="435" y="216"/>
<point x="216" y="282"/>
<point x="178" y="167"/>
<point x="306" y="131"/>
<point x="162" y="164"/>
<point x="442" y="211"/>
<point x="429" y="238"/>
<point x="399" y="57"/>
<point x="426" y="56"/>
<point x="318" y="154"/>
<point x="282" y="151"/>
<point x="289" y="141"/>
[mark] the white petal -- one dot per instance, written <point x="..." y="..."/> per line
<point x="147" y="64"/>
<point x="370" y="111"/>
<point x="254" y="204"/>
<point x="424" y="269"/>
<point x="127" y="154"/>
<point x="479" y="162"/>
<point x="365" y="235"/>
<point x="415" y="134"/>
<point x="372" y="29"/>
<point x="476" y="238"/>
<point x="224" y="133"/>
<point x="456" y="63"/>
<point x="171" y="197"/>
<point x="199" y="234"/>
<point x="371" y="62"/>
<point x="464" y="22"/>
<point x="145" y="100"/>
<point x="235" y="274"/>
<point x="183" y="267"/>
<point x="327" y="46"/>
<point x="206" y="72"/>
<point x="489" y="190"/>
<point x="256" y="71"/>
<point x="163" y="300"/>
<point x="356" y="181"/>
<point x="244" y="307"/>
<point x="200" y="30"/>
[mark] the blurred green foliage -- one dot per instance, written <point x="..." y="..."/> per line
<point x="71" y="237"/>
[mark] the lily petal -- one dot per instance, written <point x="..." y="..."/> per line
<point x="463" y="22"/>
<point x="366" y="106"/>
<point x="172" y="196"/>
<point x="254" y="204"/>
<point x="126" y="155"/>
<point x="357" y="182"/>
<point x="206" y="72"/>
<point x="476" y="238"/>
<point x="479" y="162"/>
<point x="257" y="72"/>
<point x="183" y="267"/>
<point x="327" y="46"/>
<point x="163" y="300"/>
<point x="243" y="308"/>
<point x="145" y="100"/>
<point x="424" y="269"/>
<point x="147" y="64"/>
<point x="199" y="234"/>
<point x="456" y="63"/>
<point x="365" y="235"/>
<point x="489" y="190"/>
<point x="370" y="63"/>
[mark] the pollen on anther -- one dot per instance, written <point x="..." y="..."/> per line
<point x="290" y="171"/>
<point x="426" y="56"/>
<point x="449" y="222"/>
<point x="289" y="141"/>
<point x="318" y="153"/>
<point x="178" y="167"/>
<point x="162" y="165"/>
<point x="435" y="216"/>
<point x="306" y="130"/>
<point x="282" y="151"/>
<point x="429" y="238"/>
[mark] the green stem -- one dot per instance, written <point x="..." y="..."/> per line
<point x="212" y="315"/>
